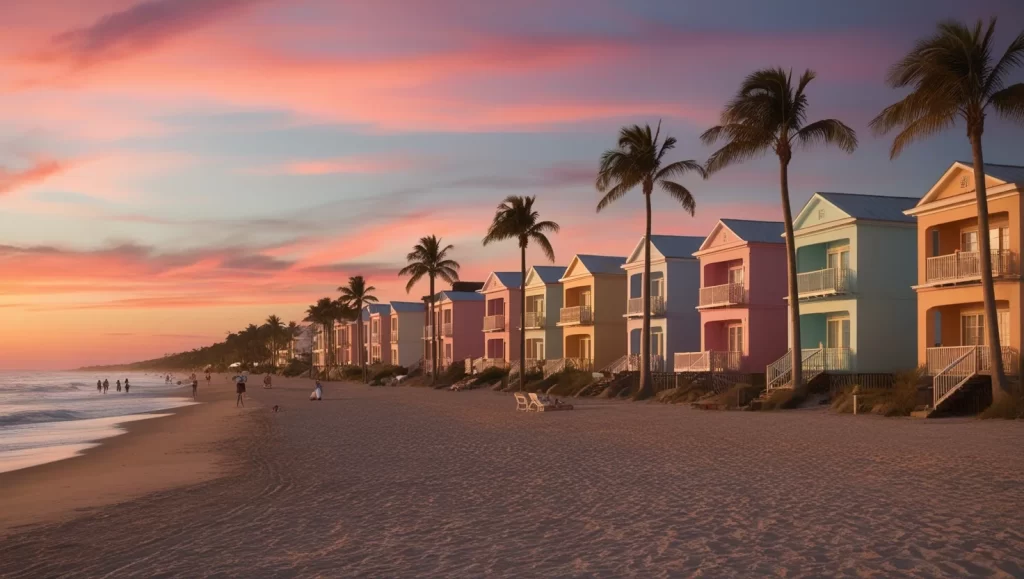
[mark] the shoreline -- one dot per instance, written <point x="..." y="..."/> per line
<point x="178" y="448"/>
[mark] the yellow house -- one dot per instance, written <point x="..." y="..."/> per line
<point x="950" y="321"/>
<point x="593" y="311"/>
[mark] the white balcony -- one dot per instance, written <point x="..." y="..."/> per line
<point x="824" y="282"/>
<point x="635" y="306"/>
<point x="428" y="332"/>
<point x="720" y="296"/>
<point x="964" y="266"/>
<point x="708" y="361"/>
<point x="575" y="316"/>
<point x="494" y="323"/>
<point x="446" y="330"/>
<point x="534" y="320"/>
<point x="394" y="337"/>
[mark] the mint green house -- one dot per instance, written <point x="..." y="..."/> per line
<point x="856" y="262"/>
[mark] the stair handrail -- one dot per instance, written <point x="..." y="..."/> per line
<point x="946" y="382"/>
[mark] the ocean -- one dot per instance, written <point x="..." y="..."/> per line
<point x="50" y="416"/>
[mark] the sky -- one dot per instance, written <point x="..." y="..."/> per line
<point x="171" y="170"/>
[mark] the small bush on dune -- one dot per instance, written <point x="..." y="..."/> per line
<point x="294" y="368"/>
<point x="736" y="397"/>
<point x="900" y="400"/>
<point x="489" y="375"/>
<point x="569" y="382"/>
<point x="784" y="399"/>
<point x="682" y="394"/>
<point x="541" y="385"/>
<point x="1008" y="407"/>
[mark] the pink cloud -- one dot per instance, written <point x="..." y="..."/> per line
<point x="39" y="171"/>
<point x="356" y="164"/>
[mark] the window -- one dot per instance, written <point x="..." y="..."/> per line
<point x="585" y="299"/>
<point x="394" y="325"/>
<point x="999" y="238"/>
<point x="972" y="329"/>
<point x="657" y="342"/>
<point x="935" y="242"/>
<point x="657" y="283"/>
<point x="448" y="352"/>
<point x="837" y="333"/>
<point x="839" y="258"/>
<point x="736" y="274"/>
<point x="735" y="332"/>
<point x="969" y="240"/>
<point x="447" y="316"/>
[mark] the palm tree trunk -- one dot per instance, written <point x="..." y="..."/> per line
<point x="987" y="287"/>
<point x="433" y="334"/>
<point x="646" y="389"/>
<point x="363" y="347"/>
<point x="794" y="300"/>
<point x="522" y="319"/>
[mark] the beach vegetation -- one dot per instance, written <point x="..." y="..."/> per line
<point x="899" y="400"/>
<point x="490" y="376"/>
<point x="769" y="113"/>
<point x="516" y="219"/>
<point x="953" y="76"/>
<point x="638" y="161"/>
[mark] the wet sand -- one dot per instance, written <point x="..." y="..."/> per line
<point x="403" y="482"/>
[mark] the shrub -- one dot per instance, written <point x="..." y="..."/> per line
<point x="784" y="398"/>
<point x="1008" y="407"/>
<point x="900" y="400"/>
<point x="490" y="375"/>
<point x="568" y="382"/>
<point x="681" y="394"/>
<point x="294" y="368"/>
<point x="379" y="372"/>
<point x="738" y="396"/>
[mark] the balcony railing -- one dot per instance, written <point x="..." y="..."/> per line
<point x="375" y="337"/>
<point x="394" y="336"/>
<point x="428" y="332"/>
<point x="494" y="323"/>
<point x="966" y="266"/>
<point x="635" y="306"/>
<point x="446" y="329"/>
<point x="576" y="315"/>
<point x="708" y="361"/>
<point x="633" y="363"/>
<point x="729" y="294"/>
<point x="534" y="320"/>
<point x="824" y="282"/>
<point x="937" y="359"/>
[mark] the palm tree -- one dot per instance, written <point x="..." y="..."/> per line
<point x="430" y="258"/>
<point x="637" y="162"/>
<point x="768" y="114"/>
<point x="952" y="77"/>
<point x="322" y="313"/>
<point x="275" y="331"/>
<point x="355" y="295"/>
<point x="516" y="219"/>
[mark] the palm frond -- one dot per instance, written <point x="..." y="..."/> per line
<point x="545" y="245"/>
<point x="920" y="129"/>
<point x="616" y="193"/>
<point x="679" y="169"/>
<point x="414" y="277"/>
<point x="733" y="153"/>
<point x="1013" y="57"/>
<point x="828" y="132"/>
<point x="681" y="194"/>
<point x="1009" y="102"/>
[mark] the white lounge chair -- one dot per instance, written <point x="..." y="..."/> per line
<point x="545" y="404"/>
<point x="521" y="402"/>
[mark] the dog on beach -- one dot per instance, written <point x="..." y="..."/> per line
<point x="276" y="408"/>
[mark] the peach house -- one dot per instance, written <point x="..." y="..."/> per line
<point x="742" y="301"/>
<point x="458" y="315"/>
<point x="675" y="324"/>
<point x="950" y="321"/>
<point x="592" y="317"/>
<point x="406" y="333"/>
<point x="543" y="304"/>
<point x="501" y="317"/>
<point x="379" y="333"/>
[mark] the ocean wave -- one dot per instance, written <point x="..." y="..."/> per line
<point x="73" y="387"/>
<point x="37" y="416"/>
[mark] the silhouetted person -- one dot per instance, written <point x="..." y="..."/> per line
<point x="99" y="386"/>
<point x="118" y="385"/>
<point x="105" y="385"/>
<point x="195" y="386"/>
<point x="126" y="385"/>
<point x="240" y="390"/>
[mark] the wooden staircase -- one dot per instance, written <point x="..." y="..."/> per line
<point x="959" y="383"/>
<point x="780" y="372"/>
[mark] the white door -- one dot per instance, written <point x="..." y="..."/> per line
<point x="736" y="275"/>
<point x="838" y="333"/>
<point x="735" y="338"/>
<point x="586" y="348"/>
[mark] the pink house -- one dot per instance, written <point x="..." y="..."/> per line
<point x="458" y="316"/>
<point x="501" y="317"/>
<point x="742" y="298"/>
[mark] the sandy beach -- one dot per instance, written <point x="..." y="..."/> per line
<point x="403" y="482"/>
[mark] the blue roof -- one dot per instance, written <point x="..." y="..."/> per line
<point x="407" y="307"/>
<point x="549" y="273"/>
<point x="603" y="263"/>
<point x="460" y="296"/>
<point x="757" y="231"/>
<point x="383" y="309"/>
<point x="676" y="245"/>
<point x="874" y="207"/>
<point x="1008" y="173"/>
<point x="509" y="279"/>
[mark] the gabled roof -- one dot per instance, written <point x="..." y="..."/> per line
<point x="668" y="247"/>
<point x="756" y="231"/>
<point x="857" y="206"/>
<point x="401" y="307"/>
<point x="380" y="309"/>
<point x="503" y="279"/>
<point x="997" y="174"/>
<point x="595" y="264"/>
<point x="454" y="296"/>
<point x="547" y="274"/>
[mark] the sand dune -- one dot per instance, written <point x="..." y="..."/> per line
<point x="402" y="482"/>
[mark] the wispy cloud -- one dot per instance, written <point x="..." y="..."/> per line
<point x="339" y="165"/>
<point x="40" y="170"/>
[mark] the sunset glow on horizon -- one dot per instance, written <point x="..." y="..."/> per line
<point x="171" y="170"/>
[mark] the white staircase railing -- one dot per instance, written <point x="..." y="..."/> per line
<point x="621" y="364"/>
<point x="553" y="366"/>
<point x="779" y="373"/>
<point x="955" y="375"/>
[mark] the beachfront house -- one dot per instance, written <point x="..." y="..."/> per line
<point x="593" y="309"/>
<point x="856" y="263"/>
<point x="379" y="333"/>
<point x="501" y="318"/>
<point x="742" y="301"/>
<point x="950" y="320"/>
<point x="543" y="304"/>
<point x="458" y="315"/>
<point x="406" y="333"/>
<point x="675" y="323"/>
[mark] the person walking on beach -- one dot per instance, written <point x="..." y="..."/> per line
<point x="105" y="385"/>
<point x="266" y="381"/>
<point x="126" y="386"/>
<point x="195" y="386"/>
<point x="99" y="386"/>
<point x="240" y="390"/>
<point x="118" y="385"/>
<point x="207" y="378"/>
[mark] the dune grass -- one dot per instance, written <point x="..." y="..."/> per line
<point x="1007" y="407"/>
<point x="900" y="400"/>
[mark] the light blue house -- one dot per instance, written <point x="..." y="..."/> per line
<point x="675" y="290"/>
<point x="856" y="262"/>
